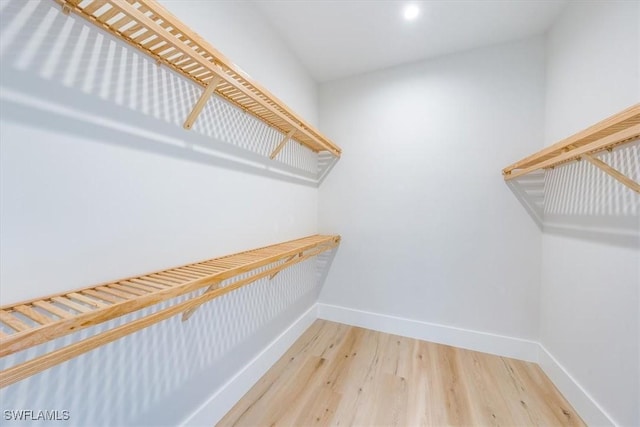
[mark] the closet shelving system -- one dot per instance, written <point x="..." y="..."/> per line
<point x="151" y="28"/>
<point x="614" y="131"/>
<point x="37" y="321"/>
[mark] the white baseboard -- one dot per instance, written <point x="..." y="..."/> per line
<point x="228" y="395"/>
<point x="500" y="345"/>
<point x="588" y="409"/>
<point x="212" y="411"/>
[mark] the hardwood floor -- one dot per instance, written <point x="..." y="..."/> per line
<point x="341" y="375"/>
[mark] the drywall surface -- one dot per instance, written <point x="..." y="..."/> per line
<point x="99" y="181"/>
<point x="430" y="230"/>
<point x="590" y="278"/>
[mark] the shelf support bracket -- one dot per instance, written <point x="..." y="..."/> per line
<point x="209" y="90"/>
<point x="282" y="144"/>
<point x="189" y="312"/>
<point x="612" y="172"/>
<point x="285" y="261"/>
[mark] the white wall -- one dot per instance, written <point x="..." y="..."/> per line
<point x="99" y="181"/>
<point x="590" y="281"/>
<point x="430" y="230"/>
<point x="113" y="186"/>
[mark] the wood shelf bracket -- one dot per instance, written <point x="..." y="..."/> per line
<point x="202" y="101"/>
<point x="287" y="260"/>
<point x="282" y="144"/>
<point x="616" y="174"/>
<point x="189" y="312"/>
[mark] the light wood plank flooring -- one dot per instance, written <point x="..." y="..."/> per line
<point x="345" y="376"/>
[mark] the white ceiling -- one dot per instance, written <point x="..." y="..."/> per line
<point x="339" y="38"/>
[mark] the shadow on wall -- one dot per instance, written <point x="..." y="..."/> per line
<point x="529" y="189"/>
<point x="159" y="375"/>
<point x="63" y="74"/>
<point x="579" y="200"/>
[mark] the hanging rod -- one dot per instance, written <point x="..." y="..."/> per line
<point x="149" y="27"/>
<point x="616" y="130"/>
<point x="37" y="321"/>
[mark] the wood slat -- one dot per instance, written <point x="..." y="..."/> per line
<point x="44" y="305"/>
<point x="162" y="279"/>
<point x="228" y="263"/>
<point x="87" y="300"/>
<point x="129" y="289"/>
<point x="101" y="296"/>
<point x="138" y="284"/>
<point x="195" y="273"/>
<point x="94" y="6"/>
<point x="32" y="314"/>
<point x="248" y="95"/>
<point x="132" y="30"/>
<point x="182" y="275"/>
<point x="11" y="321"/>
<point x="117" y="292"/>
<point x="180" y="278"/>
<point x="151" y="283"/>
<point x="109" y="14"/>
<point x="216" y="264"/>
<point x="185" y="271"/>
<point x="200" y="269"/>
<point x="72" y="304"/>
<point x="110" y="300"/>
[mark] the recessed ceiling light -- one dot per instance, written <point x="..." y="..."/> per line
<point x="411" y="12"/>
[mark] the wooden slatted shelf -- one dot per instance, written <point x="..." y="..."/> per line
<point x="36" y="321"/>
<point x="151" y="28"/>
<point x="618" y="129"/>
